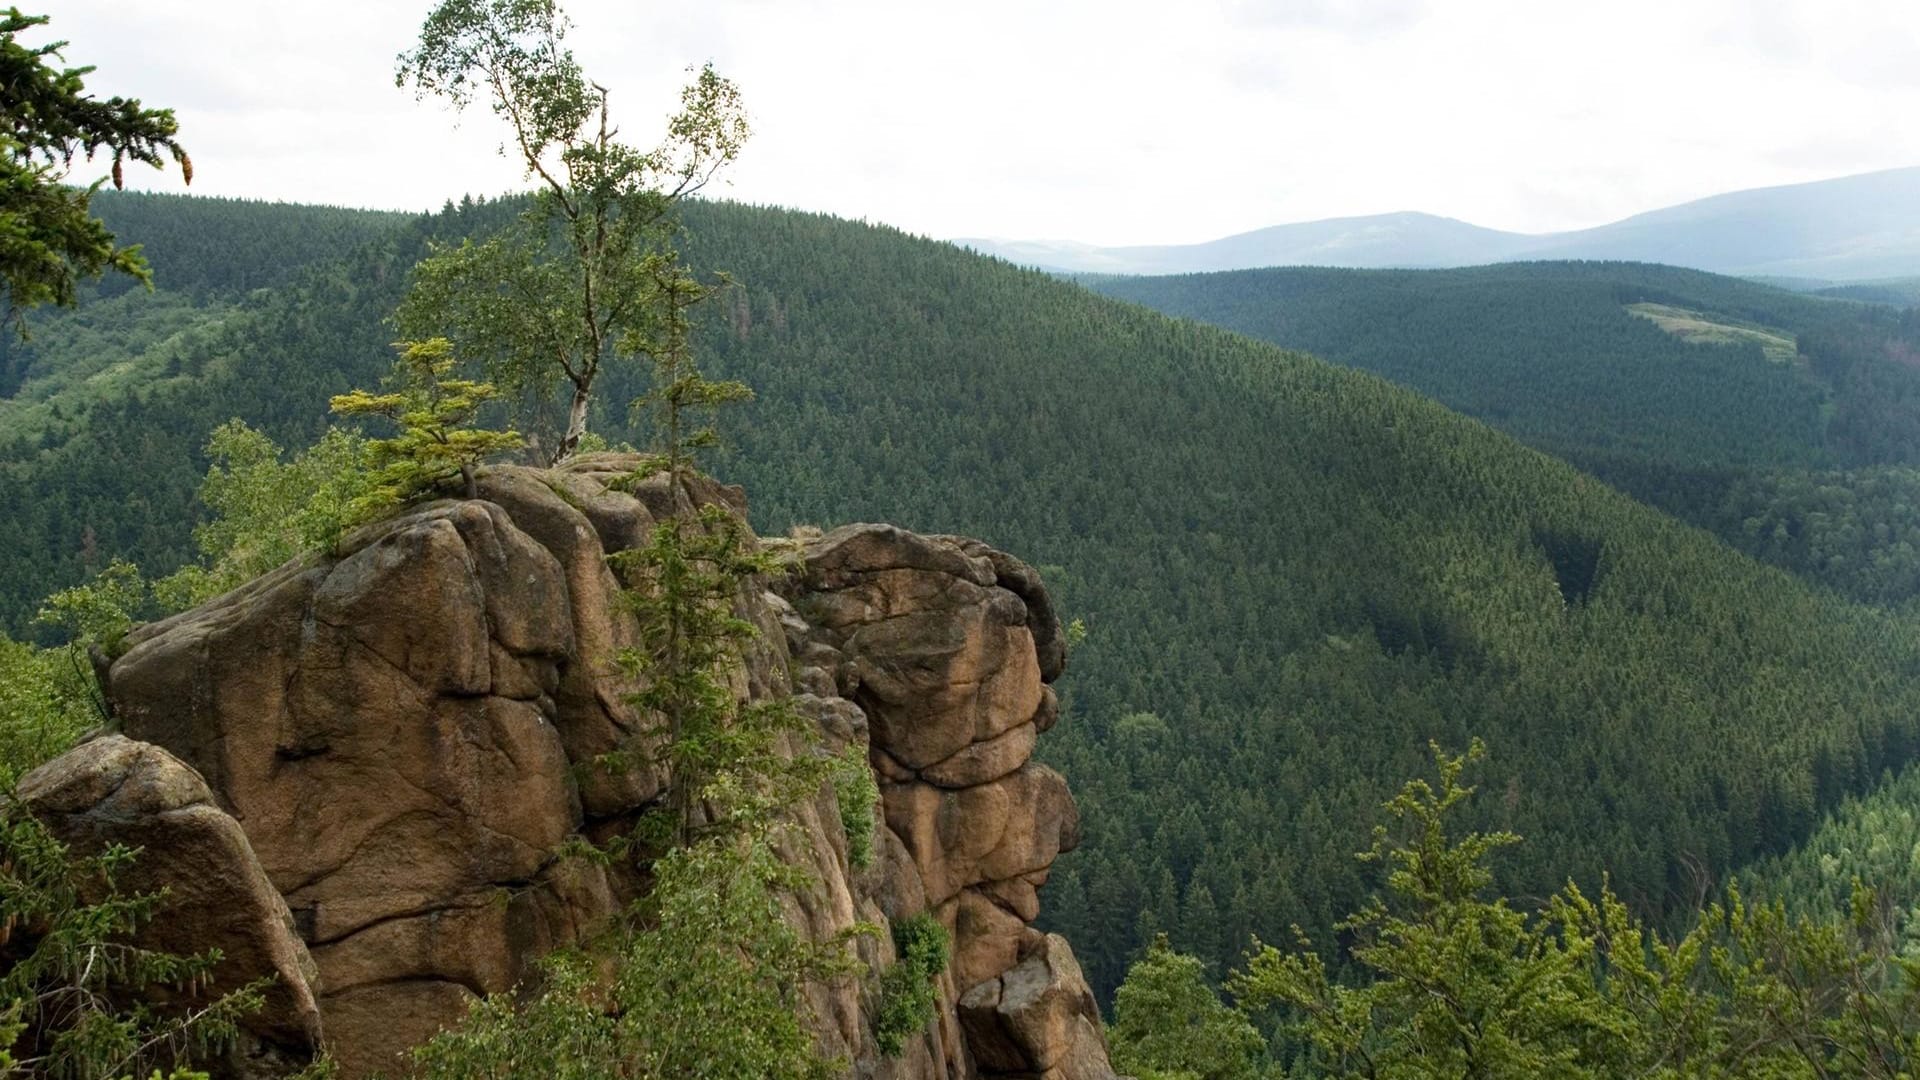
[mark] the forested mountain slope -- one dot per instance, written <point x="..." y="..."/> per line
<point x="1722" y="401"/>
<point x="1873" y="839"/>
<point x="201" y="245"/>
<point x="105" y="408"/>
<point x="1293" y="575"/>
<point x="1557" y="355"/>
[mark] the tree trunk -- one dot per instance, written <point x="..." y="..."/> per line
<point x="576" y="425"/>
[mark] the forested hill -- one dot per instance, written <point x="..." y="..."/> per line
<point x="213" y="245"/>
<point x="1293" y="574"/>
<point x="1574" y="358"/>
<point x="1781" y="421"/>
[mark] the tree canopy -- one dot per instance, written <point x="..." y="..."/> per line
<point x="49" y="238"/>
<point x="581" y="276"/>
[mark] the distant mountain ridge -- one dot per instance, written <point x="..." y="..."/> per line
<point x="1852" y="228"/>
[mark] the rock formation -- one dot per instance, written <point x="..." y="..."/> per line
<point x="115" y="790"/>
<point x="396" y="738"/>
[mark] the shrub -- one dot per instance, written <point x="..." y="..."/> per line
<point x="907" y="991"/>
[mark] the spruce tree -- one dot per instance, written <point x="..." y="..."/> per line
<point x="50" y="240"/>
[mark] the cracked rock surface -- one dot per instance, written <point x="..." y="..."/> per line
<point x="402" y="732"/>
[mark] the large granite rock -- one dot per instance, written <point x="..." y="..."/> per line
<point x="406" y="730"/>
<point x="1038" y="1019"/>
<point x="947" y="646"/>
<point x="113" y="790"/>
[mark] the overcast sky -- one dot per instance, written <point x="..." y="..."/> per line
<point x="1108" y="121"/>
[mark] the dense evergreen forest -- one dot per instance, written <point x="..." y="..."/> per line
<point x="1293" y="575"/>
<point x="1873" y="839"/>
<point x="1798" y="460"/>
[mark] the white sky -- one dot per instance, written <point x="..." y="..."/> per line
<point x="1106" y="121"/>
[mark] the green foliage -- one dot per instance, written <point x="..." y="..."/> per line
<point x="1871" y="840"/>
<point x="1460" y="985"/>
<point x="561" y="1032"/>
<point x="266" y="511"/>
<point x="858" y="794"/>
<point x="908" y="993"/>
<point x="101" y="611"/>
<point x="1453" y="981"/>
<point x="46" y="704"/>
<point x="581" y="275"/>
<point x="1855" y="531"/>
<point x="1169" y="1024"/>
<point x="719" y="976"/>
<point x="435" y="444"/>
<point x="86" y="1001"/>
<point x="49" y="239"/>
<point x="729" y="763"/>
<point x="708" y="989"/>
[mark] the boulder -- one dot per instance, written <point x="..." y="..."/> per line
<point x="390" y="727"/>
<point x="113" y="790"/>
<point x="1037" y="1020"/>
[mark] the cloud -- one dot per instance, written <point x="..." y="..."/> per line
<point x="1364" y="18"/>
<point x="1110" y="121"/>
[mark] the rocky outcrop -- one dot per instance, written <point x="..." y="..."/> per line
<point x="406" y="730"/>
<point x="113" y="790"/>
<point x="1038" y="1019"/>
<point x="950" y="665"/>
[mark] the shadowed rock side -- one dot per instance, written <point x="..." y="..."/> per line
<point x="114" y="790"/>
<point x="404" y="731"/>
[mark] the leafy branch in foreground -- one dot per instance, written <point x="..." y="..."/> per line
<point x="81" y="998"/>
<point x="49" y="238"/>
<point x="1451" y="982"/>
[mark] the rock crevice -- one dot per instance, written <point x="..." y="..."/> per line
<point x="394" y="739"/>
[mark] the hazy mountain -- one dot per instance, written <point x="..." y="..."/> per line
<point x="1848" y="229"/>
<point x="1382" y="240"/>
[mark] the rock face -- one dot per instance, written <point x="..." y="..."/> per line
<point x="1038" y="1019"/>
<point x="117" y="791"/>
<point x="403" y="733"/>
<point x="949" y="663"/>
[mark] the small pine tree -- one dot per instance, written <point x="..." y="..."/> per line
<point x="432" y="411"/>
<point x="81" y="1000"/>
<point x="1455" y="982"/>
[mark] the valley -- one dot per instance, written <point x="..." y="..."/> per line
<point x="665" y="614"/>
<point x="1292" y="575"/>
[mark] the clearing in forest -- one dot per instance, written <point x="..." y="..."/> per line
<point x="1699" y="327"/>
